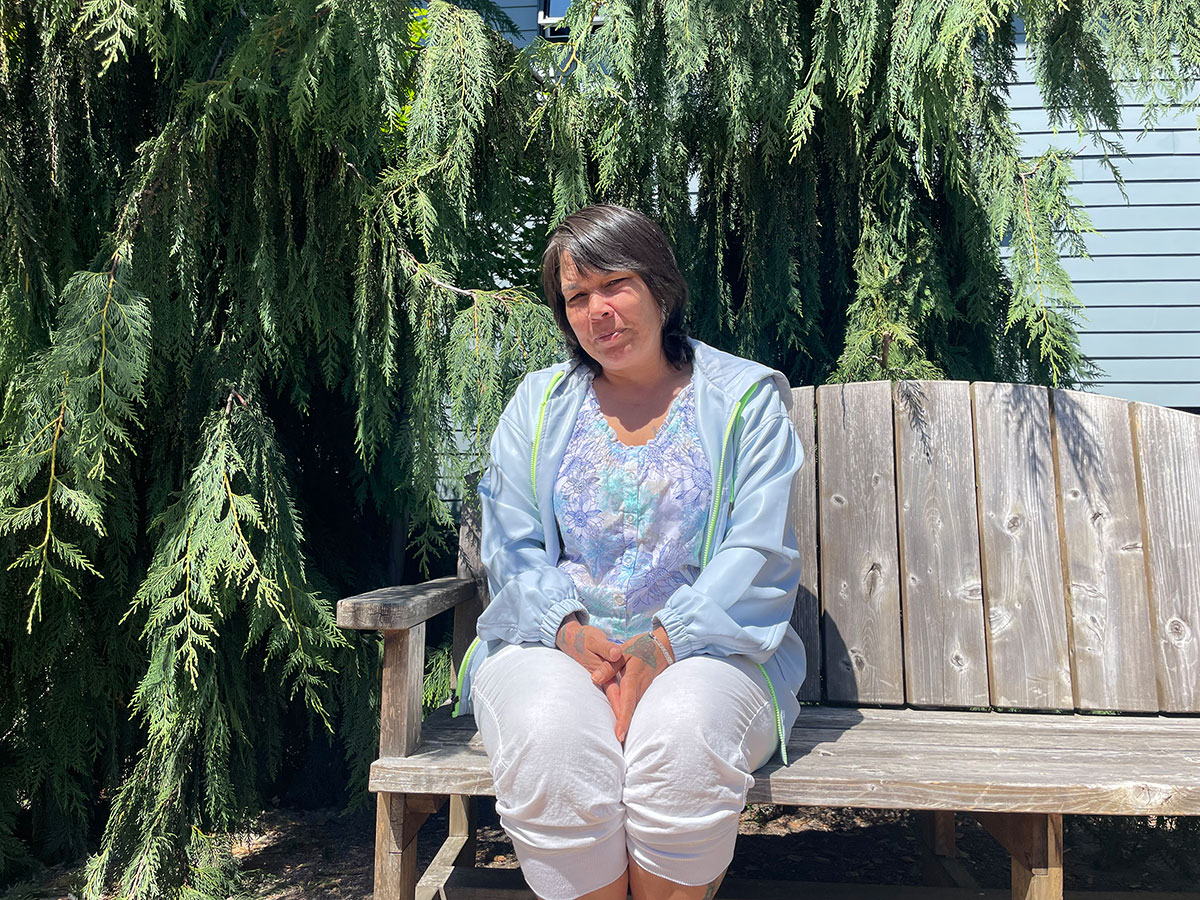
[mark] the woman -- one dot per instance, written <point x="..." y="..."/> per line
<point x="635" y="664"/>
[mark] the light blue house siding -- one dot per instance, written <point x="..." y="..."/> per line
<point x="524" y="14"/>
<point x="1141" y="286"/>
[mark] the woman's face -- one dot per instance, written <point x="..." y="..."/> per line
<point x="614" y="316"/>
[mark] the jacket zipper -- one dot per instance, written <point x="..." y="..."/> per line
<point x="537" y="440"/>
<point x="718" y="500"/>
<point x="537" y="435"/>
<point x="462" y="675"/>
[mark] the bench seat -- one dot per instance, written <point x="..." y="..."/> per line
<point x="911" y="759"/>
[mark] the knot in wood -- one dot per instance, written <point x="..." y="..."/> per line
<point x="1178" y="631"/>
<point x="872" y="578"/>
<point x="1013" y="523"/>
<point x="1149" y="798"/>
<point x="837" y="500"/>
<point x="958" y="661"/>
<point x="1000" y="619"/>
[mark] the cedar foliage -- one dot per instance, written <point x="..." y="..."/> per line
<point x="244" y="335"/>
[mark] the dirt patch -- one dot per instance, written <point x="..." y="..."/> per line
<point x="327" y="856"/>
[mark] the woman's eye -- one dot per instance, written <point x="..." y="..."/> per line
<point x="614" y="281"/>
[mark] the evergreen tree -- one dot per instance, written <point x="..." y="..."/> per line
<point x="266" y="265"/>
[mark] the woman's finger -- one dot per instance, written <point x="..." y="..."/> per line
<point x="612" y="691"/>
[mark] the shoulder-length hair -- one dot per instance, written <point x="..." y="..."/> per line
<point x="609" y="238"/>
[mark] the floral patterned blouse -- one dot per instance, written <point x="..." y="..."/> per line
<point x="632" y="518"/>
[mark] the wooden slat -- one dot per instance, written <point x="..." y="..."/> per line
<point x="945" y="655"/>
<point x="806" y="617"/>
<point x="441" y="867"/>
<point x="1109" y="613"/>
<point x="1028" y="657"/>
<point x="1168" y="454"/>
<point x="397" y="608"/>
<point x="916" y="759"/>
<point x="859" y="559"/>
<point x="399" y="733"/>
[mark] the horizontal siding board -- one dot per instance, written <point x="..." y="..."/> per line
<point x="1149" y="346"/>
<point x="1178" y="371"/>
<point x="1162" y="394"/>
<point x="1175" y="167"/>
<point x="1109" y="219"/>
<point x="1178" y="241"/>
<point x="1146" y="293"/>
<point x="1149" y="319"/>
<point x="1141" y="193"/>
<point x="1134" y="142"/>
<point x="1135" y="268"/>
<point x="1032" y="117"/>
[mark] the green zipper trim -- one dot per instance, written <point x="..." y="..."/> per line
<point x="537" y="435"/>
<point x="462" y="674"/>
<point x="719" y="495"/>
<point x="778" y="715"/>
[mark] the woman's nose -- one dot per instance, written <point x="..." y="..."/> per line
<point x="598" y="307"/>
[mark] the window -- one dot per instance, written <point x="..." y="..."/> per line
<point x="550" y="18"/>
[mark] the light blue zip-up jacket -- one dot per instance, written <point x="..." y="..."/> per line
<point x="740" y="603"/>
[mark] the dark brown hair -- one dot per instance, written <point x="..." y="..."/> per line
<point x="607" y="238"/>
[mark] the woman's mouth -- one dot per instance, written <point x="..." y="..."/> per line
<point x="609" y="336"/>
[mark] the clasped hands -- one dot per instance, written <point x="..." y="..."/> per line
<point x="638" y="662"/>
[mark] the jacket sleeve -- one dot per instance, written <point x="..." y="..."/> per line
<point x="529" y="596"/>
<point x="741" y="603"/>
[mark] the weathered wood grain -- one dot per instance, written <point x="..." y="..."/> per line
<point x="1168" y="454"/>
<point x="403" y="606"/>
<point x="441" y="867"/>
<point x="916" y="759"/>
<point x="399" y="734"/>
<point x="945" y="652"/>
<point x="1028" y="654"/>
<point x="806" y="617"/>
<point x="860" y="590"/>
<point x="1035" y="843"/>
<point x="1105" y="567"/>
<point x="395" y="859"/>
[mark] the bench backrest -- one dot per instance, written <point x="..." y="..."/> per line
<point x="992" y="546"/>
<point x="998" y="545"/>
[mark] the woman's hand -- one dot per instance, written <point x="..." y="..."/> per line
<point x="644" y="661"/>
<point x="591" y="648"/>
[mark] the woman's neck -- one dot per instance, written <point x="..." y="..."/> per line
<point x="642" y="380"/>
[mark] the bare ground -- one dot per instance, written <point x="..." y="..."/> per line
<point x="327" y="855"/>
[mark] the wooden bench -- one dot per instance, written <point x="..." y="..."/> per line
<point x="987" y="569"/>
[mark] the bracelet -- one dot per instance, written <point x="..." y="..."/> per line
<point x="665" y="652"/>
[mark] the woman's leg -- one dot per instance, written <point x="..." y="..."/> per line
<point x="699" y="732"/>
<point x="558" y="769"/>
<point x="642" y="885"/>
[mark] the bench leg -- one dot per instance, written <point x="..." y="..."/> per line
<point x="395" y="849"/>
<point x="463" y="824"/>
<point x="1035" y="841"/>
<point x="939" y="855"/>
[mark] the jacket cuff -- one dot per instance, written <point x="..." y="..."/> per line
<point x="553" y="619"/>
<point x="682" y="645"/>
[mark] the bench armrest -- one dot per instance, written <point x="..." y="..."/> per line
<point x="397" y="608"/>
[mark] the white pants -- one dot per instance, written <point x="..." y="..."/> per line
<point x="577" y="804"/>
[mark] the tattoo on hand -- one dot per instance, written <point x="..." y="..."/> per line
<point x="711" y="890"/>
<point x="580" y="644"/>
<point x="645" y="650"/>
